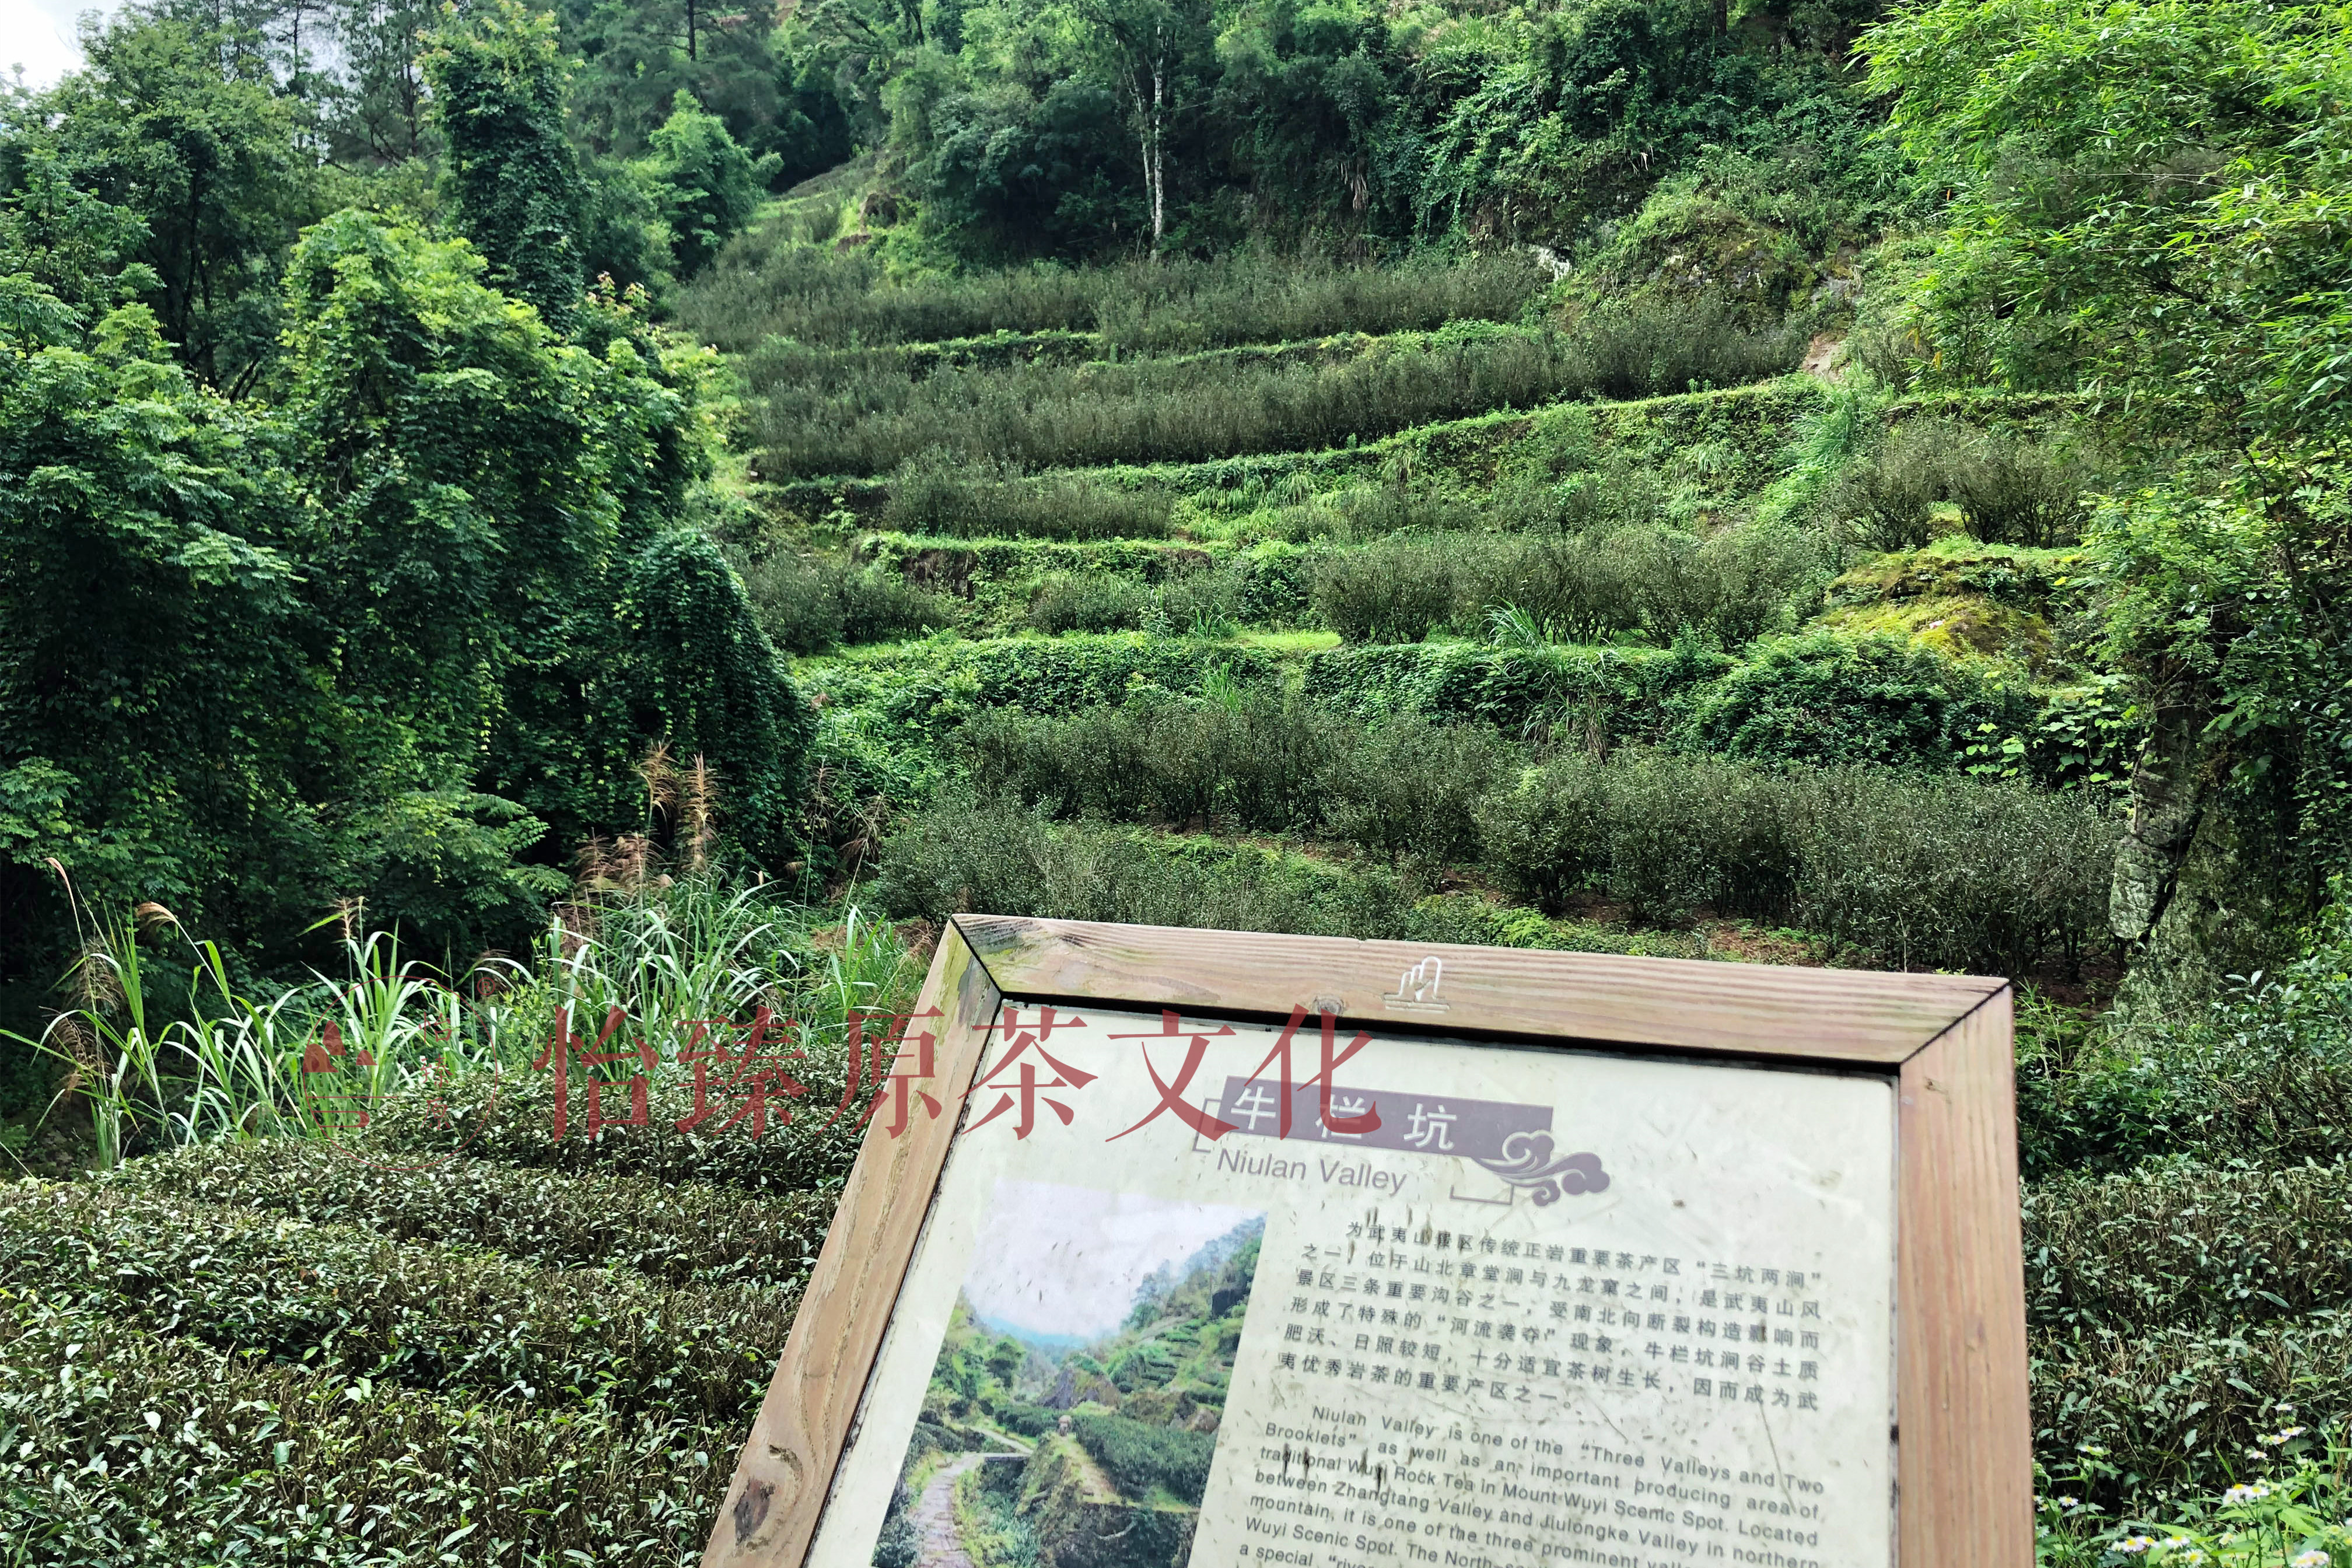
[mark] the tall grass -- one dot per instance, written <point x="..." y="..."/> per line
<point x="1048" y="415"/>
<point x="758" y="290"/>
<point x="323" y="1056"/>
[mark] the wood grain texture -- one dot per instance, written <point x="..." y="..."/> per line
<point x="1690" y="1004"/>
<point x="781" y="1481"/>
<point x="1964" y="1462"/>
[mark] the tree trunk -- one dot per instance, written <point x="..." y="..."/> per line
<point x="1158" y="176"/>
<point x="2167" y="794"/>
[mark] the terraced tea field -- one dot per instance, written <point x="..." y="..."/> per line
<point x="1165" y="603"/>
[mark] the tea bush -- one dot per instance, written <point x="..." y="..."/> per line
<point x="1138" y="1457"/>
<point x="1915" y="872"/>
<point x="675" y="1231"/>
<point x="1395" y="591"/>
<point x="807" y="606"/>
<point x="1089" y="604"/>
<point x="132" y="1443"/>
<point x="863" y="417"/>
<point x="1052" y="416"/>
<point x="2009" y="490"/>
<point x="817" y="296"/>
<point x="433" y="1317"/>
<point x="999" y="858"/>
<point x="1413" y="788"/>
<point x="2189" y="1246"/>
<point x="1887" y="503"/>
<point x="1605" y="693"/>
<point x="965" y="501"/>
<point x="1260" y="760"/>
<point x="941" y="684"/>
<point x="1998" y="878"/>
<point x="976" y="569"/>
<point x="1598" y="586"/>
<point x="2013" y="492"/>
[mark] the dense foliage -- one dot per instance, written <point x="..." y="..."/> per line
<point x="1334" y="468"/>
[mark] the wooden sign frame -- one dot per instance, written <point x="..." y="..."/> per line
<point x="1963" y="1467"/>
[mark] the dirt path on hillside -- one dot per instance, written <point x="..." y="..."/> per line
<point x="935" y="1520"/>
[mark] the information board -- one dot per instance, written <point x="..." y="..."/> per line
<point x="1518" y="1260"/>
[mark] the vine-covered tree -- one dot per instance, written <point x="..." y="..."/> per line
<point x="496" y="84"/>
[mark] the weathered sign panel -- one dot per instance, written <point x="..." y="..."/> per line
<point x="1457" y="1258"/>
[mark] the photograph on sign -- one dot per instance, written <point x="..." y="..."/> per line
<point x="1207" y="1290"/>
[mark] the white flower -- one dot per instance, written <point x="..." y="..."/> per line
<point x="2070" y="1502"/>
<point x="2312" y="1559"/>
<point x="2245" y="1494"/>
<point x="2133" y="1546"/>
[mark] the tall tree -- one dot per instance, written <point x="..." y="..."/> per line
<point x="383" y="112"/>
<point x="188" y="132"/>
<point x="707" y="185"/>
<point x="1153" y="48"/>
<point x="2150" y="199"/>
<point x="498" y="89"/>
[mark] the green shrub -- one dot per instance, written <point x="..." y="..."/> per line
<point x="2013" y="492"/>
<point x="819" y="296"/>
<point x="1606" y="693"/>
<point x="987" y="570"/>
<point x="2009" y="492"/>
<point x="1257" y="761"/>
<point x="1920" y="872"/>
<point x="2187" y="1246"/>
<point x="806" y="606"/>
<point x="1028" y="1420"/>
<point x="1653" y="347"/>
<point x="1595" y="586"/>
<point x="1089" y="603"/>
<point x="434" y="1318"/>
<point x="862" y="415"/>
<point x="1823" y="698"/>
<point x="1206" y="602"/>
<point x="1395" y="591"/>
<point x="900" y="1545"/>
<point x="516" y="1114"/>
<point x="2174" y="1407"/>
<point x="323" y="1463"/>
<point x="1412" y="788"/>
<point x="964" y="500"/>
<point x="675" y="1231"/>
<point x="2264" y="1075"/>
<point x="943" y="683"/>
<point x="1888" y="501"/>
<point x="1275" y="589"/>
<point x="1663" y="836"/>
<point x="962" y="854"/>
<point x="1138" y="1458"/>
<point x="997" y="859"/>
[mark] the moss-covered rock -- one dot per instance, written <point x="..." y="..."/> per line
<point x="1963" y="599"/>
